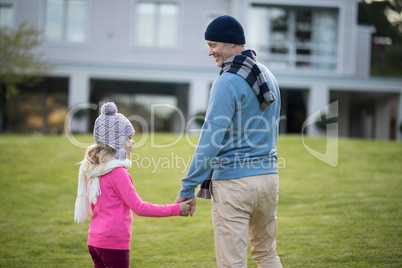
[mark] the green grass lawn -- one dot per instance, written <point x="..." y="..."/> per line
<point x="344" y="216"/>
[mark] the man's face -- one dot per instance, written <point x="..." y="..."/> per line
<point x="220" y="51"/>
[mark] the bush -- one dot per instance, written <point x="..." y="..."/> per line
<point x="324" y="121"/>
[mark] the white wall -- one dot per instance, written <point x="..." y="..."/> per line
<point x="109" y="52"/>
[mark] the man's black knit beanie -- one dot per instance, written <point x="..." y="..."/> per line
<point x="225" y="29"/>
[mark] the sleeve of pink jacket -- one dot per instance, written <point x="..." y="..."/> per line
<point x="123" y="184"/>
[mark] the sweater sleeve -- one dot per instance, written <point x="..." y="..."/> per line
<point x="221" y="108"/>
<point x="123" y="185"/>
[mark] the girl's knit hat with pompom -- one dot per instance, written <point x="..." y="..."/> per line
<point x="113" y="129"/>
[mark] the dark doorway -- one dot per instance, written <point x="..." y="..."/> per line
<point x="293" y="110"/>
<point x="161" y="105"/>
<point x="39" y="109"/>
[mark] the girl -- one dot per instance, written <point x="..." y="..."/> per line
<point x="105" y="189"/>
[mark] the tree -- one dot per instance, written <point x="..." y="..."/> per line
<point x="20" y="64"/>
<point x="386" y="16"/>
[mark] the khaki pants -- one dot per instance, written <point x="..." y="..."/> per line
<point x="245" y="208"/>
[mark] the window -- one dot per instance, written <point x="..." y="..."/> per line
<point x="294" y="38"/>
<point x="66" y="20"/>
<point x="6" y="16"/>
<point x="156" y="24"/>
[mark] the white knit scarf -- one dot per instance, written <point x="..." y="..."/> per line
<point x="89" y="187"/>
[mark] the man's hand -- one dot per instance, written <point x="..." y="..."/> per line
<point x="193" y="204"/>
<point x="185" y="207"/>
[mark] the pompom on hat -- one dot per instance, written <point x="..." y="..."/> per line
<point x="225" y="29"/>
<point x="113" y="129"/>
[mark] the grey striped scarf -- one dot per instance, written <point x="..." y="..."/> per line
<point x="245" y="66"/>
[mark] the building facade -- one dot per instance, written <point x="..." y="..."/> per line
<point x="139" y="51"/>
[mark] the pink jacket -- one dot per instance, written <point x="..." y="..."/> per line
<point x="112" y="219"/>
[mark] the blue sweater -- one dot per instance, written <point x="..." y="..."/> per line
<point x="238" y="139"/>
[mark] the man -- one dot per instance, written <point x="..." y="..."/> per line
<point x="237" y="150"/>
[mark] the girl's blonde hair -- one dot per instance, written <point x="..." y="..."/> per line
<point x="97" y="154"/>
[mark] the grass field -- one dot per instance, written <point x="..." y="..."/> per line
<point x="344" y="216"/>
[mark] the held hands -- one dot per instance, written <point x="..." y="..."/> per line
<point x="189" y="203"/>
<point x="185" y="207"/>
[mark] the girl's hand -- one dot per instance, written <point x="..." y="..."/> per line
<point x="185" y="207"/>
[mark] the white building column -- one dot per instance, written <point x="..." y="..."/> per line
<point x="78" y="94"/>
<point x="382" y="119"/>
<point x="317" y="100"/>
<point x="198" y="98"/>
